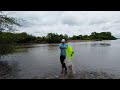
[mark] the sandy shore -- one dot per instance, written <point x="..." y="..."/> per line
<point x="84" y="75"/>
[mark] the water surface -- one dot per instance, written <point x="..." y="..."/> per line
<point x="42" y="60"/>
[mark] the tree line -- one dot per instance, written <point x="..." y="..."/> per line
<point x="95" y="36"/>
<point x="19" y="38"/>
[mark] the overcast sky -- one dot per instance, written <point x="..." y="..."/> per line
<point x="39" y="23"/>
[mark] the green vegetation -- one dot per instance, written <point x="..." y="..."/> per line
<point x="7" y="24"/>
<point x="55" y="38"/>
<point x="23" y="38"/>
<point x="16" y="38"/>
<point x="95" y="36"/>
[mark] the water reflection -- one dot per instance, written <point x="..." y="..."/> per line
<point x="7" y="70"/>
<point x="100" y="44"/>
<point x="52" y="46"/>
<point x="11" y="48"/>
<point x="6" y="49"/>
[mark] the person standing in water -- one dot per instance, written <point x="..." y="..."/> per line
<point x="63" y="46"/>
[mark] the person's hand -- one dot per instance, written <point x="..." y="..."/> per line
<point x="61" y="46"/>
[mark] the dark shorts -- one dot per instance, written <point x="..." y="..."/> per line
<point x="62" y="59"/>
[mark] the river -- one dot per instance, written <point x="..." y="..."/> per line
<point x="42" y="60"/>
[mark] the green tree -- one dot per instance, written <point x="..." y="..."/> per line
<point x="7" y="23"/>
<point x="65" y="37"/>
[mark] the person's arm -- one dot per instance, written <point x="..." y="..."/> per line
<point x="65" y="47"/>
<point x="62" y="47"/>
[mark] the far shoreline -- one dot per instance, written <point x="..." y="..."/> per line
<point x="74" y="41"/>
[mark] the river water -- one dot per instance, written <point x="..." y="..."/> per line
<point x="42" y="60"/>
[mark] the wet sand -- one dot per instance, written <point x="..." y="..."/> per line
<point x="84" y="75"/>
<point x="5" y="73"/>
<point x="81" y="75"/>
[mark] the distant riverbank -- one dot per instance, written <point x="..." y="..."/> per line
<point x="80" y="40"/>
<point x="31" y="43"/>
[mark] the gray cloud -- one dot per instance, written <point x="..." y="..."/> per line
<point x="97" y="22"/>
<point x="117" y="21"/>
<point x="40" y="23"/>
<point x="106" y="28"/>
<point x="69" y="21"/>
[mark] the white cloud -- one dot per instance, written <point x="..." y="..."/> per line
<point x="69" y="22"/>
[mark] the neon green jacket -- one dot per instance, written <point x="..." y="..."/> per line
<point x="69" y="52"/>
